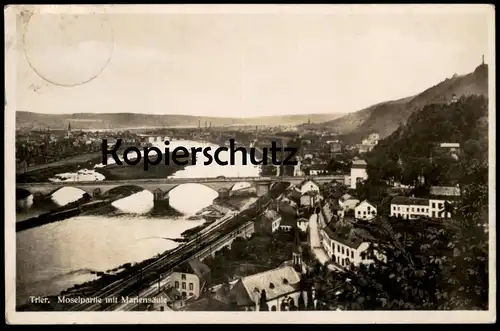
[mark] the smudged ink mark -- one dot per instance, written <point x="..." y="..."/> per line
<point x="68" y="50"/>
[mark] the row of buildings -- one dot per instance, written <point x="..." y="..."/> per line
<point x="346" y="247"/>
<point x="188" y="287"/>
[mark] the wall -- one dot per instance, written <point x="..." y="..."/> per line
<point x="190" y="279"/>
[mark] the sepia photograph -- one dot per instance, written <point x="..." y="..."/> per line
<point x="333" y="161"/>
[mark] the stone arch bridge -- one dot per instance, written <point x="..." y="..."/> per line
<point x="161" y="187"/>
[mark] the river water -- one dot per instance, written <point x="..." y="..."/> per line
<point x="56" y="256"/>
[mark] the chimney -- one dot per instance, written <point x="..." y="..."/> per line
<point x="483" y="59"/>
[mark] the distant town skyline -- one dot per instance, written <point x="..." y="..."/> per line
<point x="247" y="65"/>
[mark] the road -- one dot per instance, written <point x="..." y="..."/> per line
<point x="164" y="265"/>
<point x="316" y="246"/>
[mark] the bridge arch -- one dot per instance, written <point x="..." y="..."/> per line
<point x="112" y="192"/>
<point x="22" y="193"/>
<point x="214" y="186"/>
<point x="189" y="198"/>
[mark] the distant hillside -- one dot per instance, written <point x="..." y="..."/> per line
<point x="385" y="117"/>
<point x="411" y="151"/>
<point x="130" y="120"/>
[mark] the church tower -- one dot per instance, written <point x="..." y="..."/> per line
<point x="297" y="251"/>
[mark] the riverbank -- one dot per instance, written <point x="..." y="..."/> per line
<point x="109" y="172"/>
<point x="77" y="159"/>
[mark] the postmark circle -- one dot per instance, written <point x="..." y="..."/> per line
<point x="68" y="50"/>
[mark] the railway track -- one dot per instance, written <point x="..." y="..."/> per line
<point x="173" y="258"/>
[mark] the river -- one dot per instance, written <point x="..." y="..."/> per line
<point x="56" y="256"/>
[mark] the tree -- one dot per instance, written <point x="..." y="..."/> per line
<point x="239" y="248"/>
<point x="301" y="303"/>
<point x="263" y="301"/>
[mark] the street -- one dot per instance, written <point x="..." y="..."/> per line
<point x="315" y="242"/>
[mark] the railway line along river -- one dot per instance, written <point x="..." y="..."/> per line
<point x="56" y="256"/>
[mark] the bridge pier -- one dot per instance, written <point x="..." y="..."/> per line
<point x="262" y="189"/>
<point x="38" y="197"/>
<point x="223" y="193"/>
<point x="96" y="193"/>
<point x="161" y="200"/>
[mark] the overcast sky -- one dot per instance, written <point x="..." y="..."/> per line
<point x="242" y="64"/>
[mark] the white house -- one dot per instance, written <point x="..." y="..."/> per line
<point x="409" y="207"/>
<point x="365" y="210"/>
<point x="433" y="207"/>
<point x="281" y="287"/>
<point x="358" y="172"/>
<point x="308" y="186"/>
<point x="190" y="278"/>
<point x="348" y="202"/>
<point x="345" y="248"/>
<point x="439" y="196"/>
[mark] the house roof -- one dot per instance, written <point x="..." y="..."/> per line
<point x="172" y="293"/>
<point x="223" y="291"/>
<point x="445" y="191"/>
<point x="196" y="267"/>
<point x="359" y="162"/>
<point x="288" y="221"/>
<point x="334" y="204"/>
<point x="308" y="180"/>
<point x="275" y="282"/>
<point x="445" y="197"/>
<point x="295" y="196"/>
<point x="286" y="209"/>
<point x="399" y="200"/>
<point x="451" y="145"/>
<point x="346" y="197"/>
<point x="371" y="203"/>
<point x="343" y="233"/>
